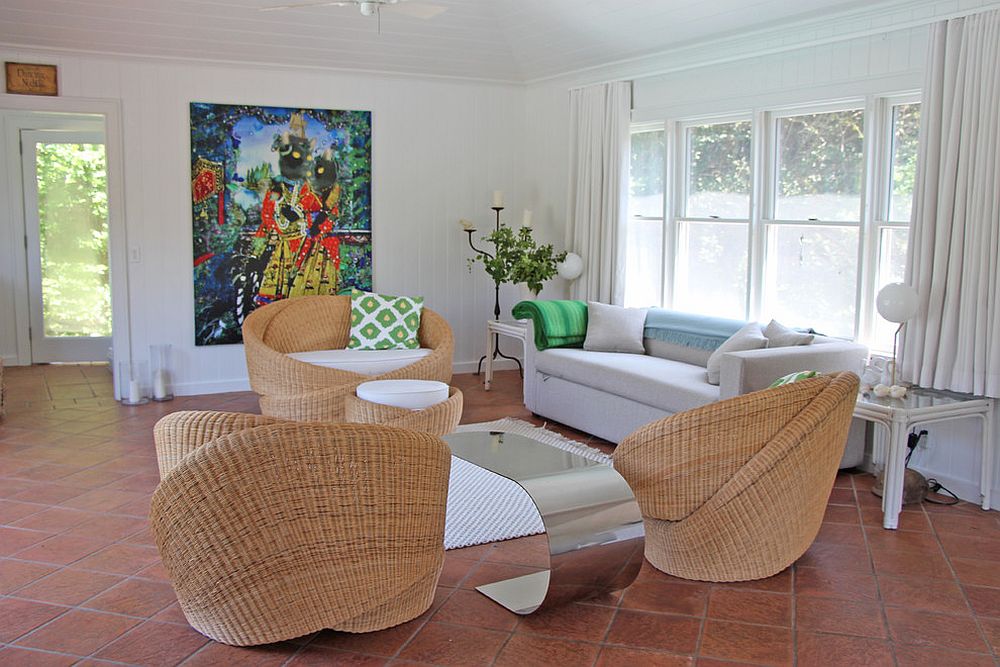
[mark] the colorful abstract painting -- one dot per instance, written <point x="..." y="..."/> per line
<point x="281" y="203"/>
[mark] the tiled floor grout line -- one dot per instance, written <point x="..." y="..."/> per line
<point x="965" y="596"/>
<point x="883" y="615"/>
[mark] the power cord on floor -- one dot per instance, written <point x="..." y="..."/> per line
<point x="933" y="486"/>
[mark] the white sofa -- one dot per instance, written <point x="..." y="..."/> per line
<point x="610" y="394"/>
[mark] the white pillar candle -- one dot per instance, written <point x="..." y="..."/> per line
<point x="134" y="393"/>
<point x="498" y="198"/>
<point x="526" y="219"/>
<point x="159" y="384"/>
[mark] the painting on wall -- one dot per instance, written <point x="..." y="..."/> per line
<point x="281" y="201"/>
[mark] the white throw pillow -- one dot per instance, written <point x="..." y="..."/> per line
<point x="614" y="329"/>
<point x="778" y="335"/>
<point x="747" y="338"/>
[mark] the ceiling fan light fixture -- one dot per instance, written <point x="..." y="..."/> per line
<point x="368" y="8"/>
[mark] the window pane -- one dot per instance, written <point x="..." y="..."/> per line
<point x="820" y="164"/>
<point x="711" y="271"/>
<point x="643" y="262"/>
<point x="891" y="269"/>
<point x="905" y="130"/>
<point x="73" y="231"/>
<point x="646" y="174"/>
<point x="718" y="170"/>
<point x="812" y="276"/>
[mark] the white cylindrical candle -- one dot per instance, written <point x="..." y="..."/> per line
<point x="498" y="198"/>
<point x="134" y="393"/>
<point x="159" y="384"/>
<point x="526" y="219"/>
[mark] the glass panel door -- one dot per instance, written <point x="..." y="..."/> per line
<point x="66" y="231"/>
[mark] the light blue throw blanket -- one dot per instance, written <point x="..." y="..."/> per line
<point x="700" y="331"/>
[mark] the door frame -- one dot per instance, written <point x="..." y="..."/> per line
<point x="14" y="109"/>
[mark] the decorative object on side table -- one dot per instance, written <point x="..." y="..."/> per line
<point x="516" y="258"/>
<point x="897" y="303"/>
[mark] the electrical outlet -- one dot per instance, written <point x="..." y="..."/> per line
<point x="135" y="254"/>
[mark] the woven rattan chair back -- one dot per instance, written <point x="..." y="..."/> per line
<point x="276" y="531"/>
<point x="737" y="490"/>
<point x="292" y="389"/>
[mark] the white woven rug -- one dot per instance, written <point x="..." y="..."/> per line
<point x="485" y="507"/>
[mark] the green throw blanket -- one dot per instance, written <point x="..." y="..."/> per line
<point x="557" y="323"/>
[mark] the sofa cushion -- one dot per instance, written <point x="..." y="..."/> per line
<point x="614" y="328"/>
<point x="749" y="337"/>
<point x="669" y="385"/>
<point x="383" y="322"/>
<point x="778" y="335"/>
<point x="366" y="362"/>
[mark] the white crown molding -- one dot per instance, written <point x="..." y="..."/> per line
<point x="875" y="19"/>
<point x="61" y="52"/>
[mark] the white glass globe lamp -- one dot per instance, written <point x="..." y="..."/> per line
<point x="897" y="303"/>
<point x="570" y="268"/>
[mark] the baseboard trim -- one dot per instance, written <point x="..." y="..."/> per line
<point x="472" y="366"/>
<point x="211" y="387"/>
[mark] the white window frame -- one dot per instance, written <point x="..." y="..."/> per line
<point x="769" y="219"/>
<point x="878" y="212"/>
<point x="666" y="249"/>
<point x="874" y="206"/>
<point x="679" y="188"/>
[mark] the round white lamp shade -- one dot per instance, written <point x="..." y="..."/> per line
<point x="571" y="267"/>
<point x="897" y="302"/>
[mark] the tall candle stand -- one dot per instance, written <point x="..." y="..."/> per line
<point x="496" y="303"/>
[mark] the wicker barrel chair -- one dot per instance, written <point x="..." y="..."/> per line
<point x="736" y="490"/>
<point x="293" y="389"/>
<point x="271" y="530"/>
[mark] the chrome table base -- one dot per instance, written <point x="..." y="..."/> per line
<point x="592" y="520"/>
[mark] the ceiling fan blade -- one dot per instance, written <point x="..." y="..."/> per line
<point x="303" y="5"/>
<point x="419" y="10"/>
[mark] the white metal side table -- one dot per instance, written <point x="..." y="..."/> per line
<point x="898" y="416"/>
<point x="494" y="328"/>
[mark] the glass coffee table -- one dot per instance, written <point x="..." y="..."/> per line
<point x="592" y="520"/>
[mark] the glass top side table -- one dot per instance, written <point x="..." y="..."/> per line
<point x="898" y="416"/>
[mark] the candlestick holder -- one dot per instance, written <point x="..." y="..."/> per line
<point x="496" y="303"/>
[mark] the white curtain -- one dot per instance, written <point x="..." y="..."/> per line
<point x="599" y="118"/>
<point x="954" y="250"/>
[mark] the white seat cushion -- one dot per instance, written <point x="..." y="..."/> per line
<point x="409" y="394"/>
<point x="366" y="362"/>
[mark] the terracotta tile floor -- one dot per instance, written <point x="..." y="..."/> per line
<point x="81" y="582"/>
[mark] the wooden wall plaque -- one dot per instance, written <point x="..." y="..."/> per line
<point x="31" y="79"/>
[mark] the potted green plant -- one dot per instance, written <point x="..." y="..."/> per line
<point x="518" y="259"/>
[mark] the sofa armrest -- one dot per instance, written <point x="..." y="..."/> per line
<point x="751" y="370"/>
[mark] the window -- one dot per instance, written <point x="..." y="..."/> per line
<point x="644" y="232"/>
<point x="799" y="214"/>
<point x="710" y="268"/>
<point x="893" y="218"/>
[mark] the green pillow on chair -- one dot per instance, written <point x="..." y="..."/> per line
<point x="382" y="322"/>
<point x="793" y="377"/>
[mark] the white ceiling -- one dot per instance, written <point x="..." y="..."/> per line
<point x="509" y="40"/>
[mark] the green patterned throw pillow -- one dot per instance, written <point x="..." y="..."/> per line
<point x="382" y="322"/>
<point x="794" y="377"/>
